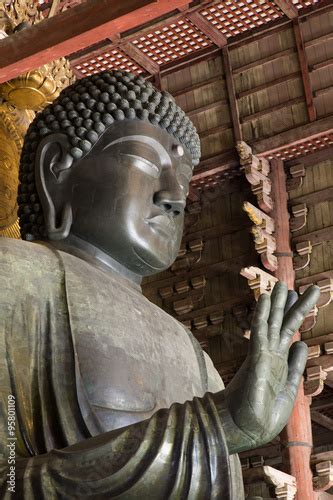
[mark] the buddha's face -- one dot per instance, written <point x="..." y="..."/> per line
<point x="128" y="196"/>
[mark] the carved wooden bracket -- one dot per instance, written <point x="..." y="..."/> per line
<point x="326" y="291"/>
<point x="258" y="280"/>
<point x="209" y="325"/>
<point x="310" y="320"/>
<point x="257" y="173"/>
<point x="299" y="215"/>
<point x="184" y="286"/>
<point x="262" y="231"/>
<point x="284" y="484"/>
<point x="323" y="481"/>
<point x="192" y="214"/>
<point x="243" y="316"/>
<point x="188" y="255"/>
<point x="314" y="383"/>
<point x="302" y="259"/>
<point x="297" y="174"/>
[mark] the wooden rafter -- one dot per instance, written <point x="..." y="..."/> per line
<point x="303" y="62"/>
<point x="233" y="105"/>
<point x="322" y="420"/>
<point x="73" y="30"/>
<point x="140" y="58"/>
<point x="288" y="8"/>
<point x="207" y="28"/>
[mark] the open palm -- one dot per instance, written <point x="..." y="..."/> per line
<point x="261" y="396"/>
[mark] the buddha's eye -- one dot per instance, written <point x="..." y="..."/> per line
<point x="143" y="164"/>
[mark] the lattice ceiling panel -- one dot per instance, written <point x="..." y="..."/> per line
<point x="233" y="17"/>
<point x="304" y="148"/>
<point x="217" y="179"/>
<point x="112" y="59"/>
<point x="300" y="4"/>
<point x="172" y="42"/>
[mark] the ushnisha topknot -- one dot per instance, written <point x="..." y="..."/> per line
<point x="83" y="111"/>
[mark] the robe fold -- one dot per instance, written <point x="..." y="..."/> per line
<point x="113" y="397"/>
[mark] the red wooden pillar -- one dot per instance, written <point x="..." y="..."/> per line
<point x="296" y="438"/>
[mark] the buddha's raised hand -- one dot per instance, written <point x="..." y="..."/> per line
<point x="260" y="398"/>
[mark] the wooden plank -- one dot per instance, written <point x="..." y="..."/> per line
<point x="322" y="65"/>
<point x="319" y="40"/>
<point x="209" y="233"/>
<point x="207" y="28"/>
<point x="267" y="85"/>
<point x="288" y="8"/>
<point x="73" y="30"/>
<point x="233" y="106"/>
<point x="268" y="111"/>
<point x="264" y="60"/>
<point x="314" y="198"/>
<point x="322" y="420"/>
<point x="303" y="62"/>
<point x="207" y="107"/>
<point x="315" y="237"/>
<point x="321" y="340"/>
<point x="214" y="130"/>
<point x="314" y="278"/>
<point x="198" y="85"/>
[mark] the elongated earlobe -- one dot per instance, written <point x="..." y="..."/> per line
<point x="53" y="163"/>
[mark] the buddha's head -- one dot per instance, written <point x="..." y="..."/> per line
<point x="110" y="162"/>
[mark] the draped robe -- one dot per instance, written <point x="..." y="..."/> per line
<point x="114" y="398"/>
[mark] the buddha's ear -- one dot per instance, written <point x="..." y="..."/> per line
<point x="52" y="166"/>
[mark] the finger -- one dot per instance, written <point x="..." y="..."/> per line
<point x="286" y="398"/>
<point x="259" y="325"/>
<point x="291" y="299"/>
<point x="296" y="314"/>
<point x="278" y="302"/>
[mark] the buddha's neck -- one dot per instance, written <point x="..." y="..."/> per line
<point x="89" y="253"/>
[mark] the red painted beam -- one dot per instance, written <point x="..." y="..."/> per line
<point x="76" y="29"/>
<point x="304" y="70"/>
<point x="296" y="438"/>
<point x="233" y="105"/>
<point x="288" y="8"/>
<point x="207" y="28"/>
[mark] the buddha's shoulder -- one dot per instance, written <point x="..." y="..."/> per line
<point x="24" y="258"/>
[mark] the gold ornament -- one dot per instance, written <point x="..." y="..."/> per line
<point x="13" y="126"/>
<point x="37" y="88"/>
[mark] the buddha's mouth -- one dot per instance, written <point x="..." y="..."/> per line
<point x="163" y="224"/>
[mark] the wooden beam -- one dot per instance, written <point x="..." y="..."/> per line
<point x="288" y="8"/>
<point x="314" y="278"/>
<point x="207" y="28"/>
<point x="310" y="159"/>
<point x="214" y="130"/>
<point x="73" y="30"/>
<point x="314" y="198"/>
<point x="322" y="65"/>
<point x="199" y="85"/>
<point x="297" y="435"/>
<point x="263" y="60"/>
<point x="140" y="58"/>
<point x="303" y="62"/>
<point x="293" y="136"/>
<point x="322" y="420"/>
<point x="315" y="237"/>
<point x="233" y="106"/>
<point x="268" y="111"/>
<point x="319" y="39"/>
<point x="207" y="107"/>
<point x="322" y="404"/>
<point x="267" y="85"/>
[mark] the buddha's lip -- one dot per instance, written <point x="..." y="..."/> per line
<point x="163" y="223"/>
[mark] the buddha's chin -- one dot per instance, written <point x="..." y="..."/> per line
<point x="148" y="264"/>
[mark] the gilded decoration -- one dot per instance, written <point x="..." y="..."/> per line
<point x="13" y="126"/>
<point x="19" y="99"/>
<point x="37" y="88"/>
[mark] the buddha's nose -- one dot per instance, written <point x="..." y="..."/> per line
<point x="170" y="202"/>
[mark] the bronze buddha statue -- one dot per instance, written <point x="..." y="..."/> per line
<point x="113" y="397"/>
